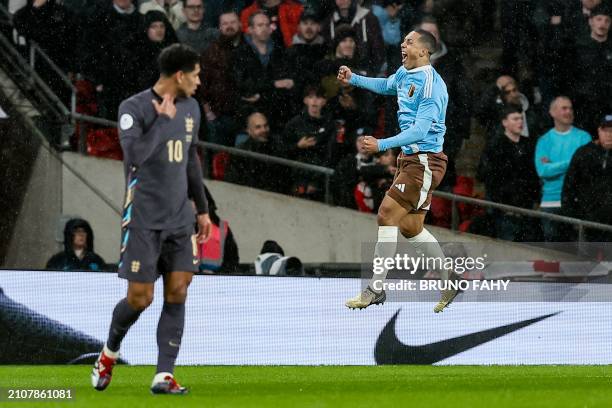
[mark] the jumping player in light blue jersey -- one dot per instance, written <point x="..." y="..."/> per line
<point x="422" y="98"/>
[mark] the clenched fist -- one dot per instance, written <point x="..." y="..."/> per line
<point x="344" y="74"/>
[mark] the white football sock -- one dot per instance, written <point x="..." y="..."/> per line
<point x="110" y="353"/>
<point x="159" y="377"/>
<point x="386" y="247"/>
<point x="429" y="246"/>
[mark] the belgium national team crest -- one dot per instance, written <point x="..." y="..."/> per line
<point x="411" y="90"/>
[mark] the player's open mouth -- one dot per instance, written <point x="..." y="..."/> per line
<point x="403" y="56"/>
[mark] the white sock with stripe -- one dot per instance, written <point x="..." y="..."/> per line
<point x="429" y="246"/>
<point x="386" y="247"/>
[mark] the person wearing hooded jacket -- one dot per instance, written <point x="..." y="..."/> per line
<point x="140" y="51"/>
<point x="370" y="43"/>
<point x="78" y="253"/>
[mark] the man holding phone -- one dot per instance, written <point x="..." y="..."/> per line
<point x="308" y="138"/>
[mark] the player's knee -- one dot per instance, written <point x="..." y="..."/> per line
<point x="385" y="216"/>
<point x="140" y="301"/>
<point x="178" y="292"/>
<point x="410" y="231"/>
<point x="410" y="227"/>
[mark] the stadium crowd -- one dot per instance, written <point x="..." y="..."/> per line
<point x="269" y="86"/>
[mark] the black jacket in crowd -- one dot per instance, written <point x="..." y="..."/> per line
<point x="362" y="114"/>
<point x="592" y="80"/>
<point x="253" y="77"/>
<point x="54" y="28"/>
<point x="587" y="189"/>
<point x="101" y="52"/>
<point x="302" y="58"/>
<point x="140" y="54"/>
<point x="67" y="259"/>
<point x="508" y="171"/>
<point x="556" y="42"/>
<point x="304" y="125"/>
<point x="256" y="173"/>
<point x="459" y="111"/>
<point x="351" y="170"/>
<point x="490" y="105"/>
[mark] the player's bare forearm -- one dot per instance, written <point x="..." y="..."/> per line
<point x="204" y="227"/>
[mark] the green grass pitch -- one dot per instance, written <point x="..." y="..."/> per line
<point x="347" y="386"/>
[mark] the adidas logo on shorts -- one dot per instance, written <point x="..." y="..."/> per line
<point x="401" y="187"/>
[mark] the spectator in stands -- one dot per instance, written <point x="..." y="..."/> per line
<point x="579" y="14"/>
<point x="369" y="39"/>
<point x="354" y="108"/>
<point x="173" y="9"/>
<point x="344" y="52"/>
<point x="219" y="253"/>
<point x="517" y="35"/>
<point x="554" y="152"/>
<point x="587" y="191"/>
<point x="193" y="31"/>
<point x="308" y="138"/>
<point x="308" y="47"/>
<point x="508" y="171"/>
<point x="215" y="8"/>
<point x="449" y="65"/>
<point x="255" y="173"/>
<point x="218" y="92"/>
<point x="349" y="173"/>
<point x="506" y="92"/>
<point x="593" y="70"/>
<point x="261" y="72"/>
<point x="78" y="253"/>
<point x="388" y="14"/>
<point x="101" y="52"/>
<point x="284" y="18"/>
<point x="53" y="27"/>
<point x="557" y="32"/>
<point x="140" y="52"/>
<point x="380" y="177"/>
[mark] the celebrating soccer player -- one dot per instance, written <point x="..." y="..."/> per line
<point x="158" y="131"/>
<point x="422" y="99"/>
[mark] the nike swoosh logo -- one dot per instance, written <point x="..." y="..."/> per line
<point x="390" y="350"/>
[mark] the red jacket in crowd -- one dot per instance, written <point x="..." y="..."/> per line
<point x="289" y="12"/>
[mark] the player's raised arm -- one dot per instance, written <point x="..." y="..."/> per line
<point x="428" y="110"/>
<point x="137" y="144"/>
<point x="382" y="86"/>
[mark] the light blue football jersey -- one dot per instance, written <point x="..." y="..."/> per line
<point x="422" y="98"/>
